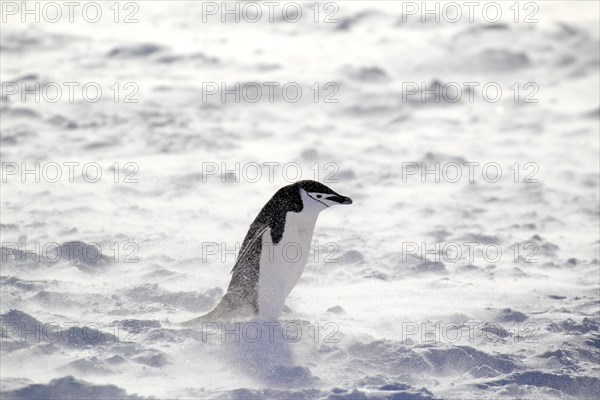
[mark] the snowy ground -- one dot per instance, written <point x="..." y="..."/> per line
<point x="373" y="315"/>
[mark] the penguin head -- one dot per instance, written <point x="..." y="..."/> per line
<point x="317" y="196"/>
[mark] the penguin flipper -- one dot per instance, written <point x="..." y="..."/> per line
<point x="240" y="299"/>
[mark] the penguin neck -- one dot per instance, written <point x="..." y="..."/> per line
<point x="302" y="225"/>
<point x="299" y="226"/>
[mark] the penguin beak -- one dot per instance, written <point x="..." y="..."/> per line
<point x="340" y="199"/>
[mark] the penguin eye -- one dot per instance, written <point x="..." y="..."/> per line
<point x="319" y="196"/>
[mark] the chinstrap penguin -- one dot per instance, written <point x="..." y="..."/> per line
<point x="264" y="273"/>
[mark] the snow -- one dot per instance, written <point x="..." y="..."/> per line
<point x="372" y="316"/>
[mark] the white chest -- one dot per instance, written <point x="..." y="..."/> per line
<point x="282" y="265"/>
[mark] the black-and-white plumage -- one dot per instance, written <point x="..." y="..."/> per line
<point x="263" y="275"/>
